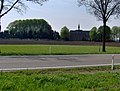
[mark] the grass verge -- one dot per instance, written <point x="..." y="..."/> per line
<point x="54" y="50"/>
<point x="75" y="79"/>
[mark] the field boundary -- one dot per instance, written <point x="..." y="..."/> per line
<point x="57" y="42"/>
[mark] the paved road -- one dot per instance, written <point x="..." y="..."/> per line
<point x="54" y="61"/>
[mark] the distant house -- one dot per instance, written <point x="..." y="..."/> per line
<point x="78" y="35"/>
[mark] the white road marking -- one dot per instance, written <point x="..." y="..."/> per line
<point x="35" y="68"/>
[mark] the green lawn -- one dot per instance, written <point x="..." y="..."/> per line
<point x="77" y="79"/>
<point x="53" y="49"/>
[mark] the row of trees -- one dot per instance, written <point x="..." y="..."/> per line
<point x="33" y="29"/>
<point x="112" y="34"/>
<point x="30" y="28"/>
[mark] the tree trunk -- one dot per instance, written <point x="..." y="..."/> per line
<point x="0" y="24"/>
<point x="104" y="36"/>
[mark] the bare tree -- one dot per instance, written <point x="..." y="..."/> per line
<point x="19" y="5"/>
<point x="103" y="10"/>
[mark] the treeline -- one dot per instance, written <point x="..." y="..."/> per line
<point x="112" y="34"/>
<point x="29" y="29"/>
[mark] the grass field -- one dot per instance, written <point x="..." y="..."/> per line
<point x="76" y="79"/>
<point x="54" y="49"/>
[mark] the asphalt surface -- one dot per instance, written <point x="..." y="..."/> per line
<point x="55" y="61"/>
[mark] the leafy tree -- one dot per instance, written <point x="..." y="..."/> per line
<point x="1" y="35"/>
<point x="56" y="35"/>
<point x="93" y="34"/>
<point x="19" y="5"/>
<point x="6" y="34"/>
<point x="30" y="28"/>
<point x="65" y="33"/>
<point x="119" y="33"/>
<point x="108" y="33"/>
<point x="115" y="32"/>
<point x="103" y="10"/>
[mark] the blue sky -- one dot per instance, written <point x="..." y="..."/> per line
<point x="59" y="13"/>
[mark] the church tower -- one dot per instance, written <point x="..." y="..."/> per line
<point x="78" y="26"/>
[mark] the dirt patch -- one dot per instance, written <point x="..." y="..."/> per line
<point x="51" y="42"/>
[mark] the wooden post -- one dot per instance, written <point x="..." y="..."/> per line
<point x="112" y="66"/>
<point x="50" y="50"/>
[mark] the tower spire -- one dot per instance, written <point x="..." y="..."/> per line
<point x="78" y="26"/>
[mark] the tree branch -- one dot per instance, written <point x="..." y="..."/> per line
<point x="1" y="8"/>
<point x="111" y="11"/>
<point x="10" y="8"/>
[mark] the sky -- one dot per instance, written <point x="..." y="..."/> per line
<point x="58" y="13"/>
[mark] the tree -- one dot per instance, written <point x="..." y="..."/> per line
<point x="56" y="35"/>
<point x="6" y="34"/>
<point x="115" y="32"/>
<point x="93" y="34"/>
<point x="108" y="33"/>
<point x="65" y="33"/>
<point x="19" y="5"/>
<point x="30" y="28"/>
<point x="119" y="33"/>
<point x="103" y="10"/>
